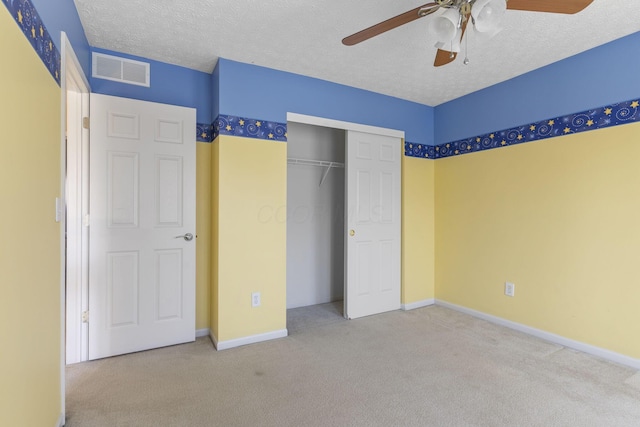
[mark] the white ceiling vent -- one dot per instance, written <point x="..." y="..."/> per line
<point x="121" y="69"/>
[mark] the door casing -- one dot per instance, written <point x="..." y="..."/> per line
<point x="72" y="79"/>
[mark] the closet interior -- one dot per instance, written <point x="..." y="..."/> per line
<point x="315" y="214"/>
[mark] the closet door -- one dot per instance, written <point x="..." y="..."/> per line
<point x="372" y="255"/>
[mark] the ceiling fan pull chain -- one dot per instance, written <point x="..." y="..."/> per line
<point x="466" y="49"/>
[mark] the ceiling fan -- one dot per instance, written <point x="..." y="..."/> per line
<point x="449" y="27"/>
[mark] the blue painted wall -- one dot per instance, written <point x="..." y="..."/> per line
<point x="215" y="91"/>
<point x="262" y="93"/>
<point x="170" y="84"/>
<point x="598" y="77"/>
<point x="62" y="15"/>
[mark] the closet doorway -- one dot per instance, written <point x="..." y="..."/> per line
<point x="315" y="214"/>
<point x="343" y="215"/>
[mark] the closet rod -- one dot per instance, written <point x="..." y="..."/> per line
<point x="310" y="162"/>
<point x="321" y="163"/>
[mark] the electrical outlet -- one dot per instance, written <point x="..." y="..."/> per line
<point x="509" y="289"/>
<point x="255" y="299"/>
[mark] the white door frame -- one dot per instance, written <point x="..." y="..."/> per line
<point x="76" y="91"/>
<point x="72" y="78"/>
<point x="338" y="124"/>
<point x="347" y="126"/>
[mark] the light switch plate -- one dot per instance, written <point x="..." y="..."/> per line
<point x="58" y="209"/>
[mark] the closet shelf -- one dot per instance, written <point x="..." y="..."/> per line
<point x="310" y="162"/>
<point x="320" y="163"/>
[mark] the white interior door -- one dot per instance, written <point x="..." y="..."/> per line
<point x="373" y="224"/>
<point x="142" y="204"/>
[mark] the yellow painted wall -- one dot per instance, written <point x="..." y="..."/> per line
<point x="418" y="233"/>
<point x="559" y="218"/>
<point x="250" y="177"/>
<point x="30" y="330"/>
<point x="203" y="231"/>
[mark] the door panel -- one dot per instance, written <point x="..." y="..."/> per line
<point x="169" y="193"/>
<point x="123" y="288"/>
<point x="142" y="203"/>
<point x="122" y="189"/>
<point x="169" y="284"/>
<point x="373" y="224"/>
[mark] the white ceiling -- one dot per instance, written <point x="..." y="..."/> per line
<point x="305" y="38"/>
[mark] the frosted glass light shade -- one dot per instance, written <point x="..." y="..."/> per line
<point x="487" y="15"/>
<point x="445" y="27"/>
<point x="452" y="45"/>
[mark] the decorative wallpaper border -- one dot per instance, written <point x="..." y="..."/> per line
<point x="249" y="128"/>
<point x="599" y="118"/>
<point x="423" y="151"/>
<point x="204" y="132"/>
<point x="31" y="24"/>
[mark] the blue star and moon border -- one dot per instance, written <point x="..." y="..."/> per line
<point x="27" y="18"/>
<point x="249" y="128"/>
<point x="598" y="118"/>
<point x="594" y="119"/>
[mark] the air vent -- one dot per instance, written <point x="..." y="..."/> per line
<point x="121" y="70"/>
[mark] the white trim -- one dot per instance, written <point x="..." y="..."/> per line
<point x="203" y="332"/>
<point x="69" y="64"/>
<point x="224" y="345"/>
<point x="61" y="421"/>
<point x="418" y="304"/>
<point x="338" y="124"/>
<point x="548" y="336"/>
<point x="70" y="55"/>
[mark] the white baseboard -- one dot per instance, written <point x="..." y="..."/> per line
<point x="418" y="304"/>
<point x="203" y="332"/>
<point x="61" y="421"/>
<point x="224" y="345"/>
<point x="548" y="336"/>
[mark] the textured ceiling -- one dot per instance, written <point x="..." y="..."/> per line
<point x="305" y="38"/>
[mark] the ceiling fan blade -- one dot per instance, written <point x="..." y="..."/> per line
<point x="553" y="6"/>
<point x="387" y="25"/>
<point x="443" y="57"/>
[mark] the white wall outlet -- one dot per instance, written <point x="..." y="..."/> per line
<point x="509" y="289"/>
<point x="255" y="299"/>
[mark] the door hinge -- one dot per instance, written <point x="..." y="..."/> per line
<point x="85" y="122"/>
<point x="85" y="316"/>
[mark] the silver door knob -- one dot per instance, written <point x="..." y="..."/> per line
<point x="188" y="237"/>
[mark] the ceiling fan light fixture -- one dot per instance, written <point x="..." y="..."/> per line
<point x="452" y="45"/>
<point x="486" y="35"/>
<point x="448" y="27"/>
<point x="445" y="27"/>
<point x="487" y="15"/>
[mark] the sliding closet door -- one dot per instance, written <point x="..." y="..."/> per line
<point x="373" y="224"/>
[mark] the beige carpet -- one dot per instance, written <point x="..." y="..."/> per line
<point x="426" y="367"/>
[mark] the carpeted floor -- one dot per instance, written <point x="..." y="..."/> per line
<point x="426" y="367"/>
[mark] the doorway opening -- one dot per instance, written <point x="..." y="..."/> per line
<point x="315" y="215"/>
